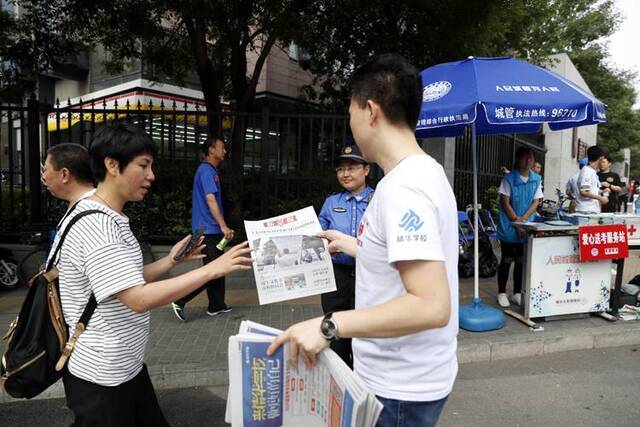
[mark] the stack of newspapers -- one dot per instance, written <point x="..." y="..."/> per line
<point x="268" y="391"/>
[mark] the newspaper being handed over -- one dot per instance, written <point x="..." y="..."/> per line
<point x="265" y="391"/>
<point x="290" y="261"/>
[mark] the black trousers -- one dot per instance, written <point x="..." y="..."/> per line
<point x="511" y="252"/>
<point x="215" y="288"/>
<point x="129" y="404"/>
<point x="343" y="298"/>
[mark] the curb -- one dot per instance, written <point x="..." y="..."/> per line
<point x="473" y="351"/>
<point x="470" y="350"/>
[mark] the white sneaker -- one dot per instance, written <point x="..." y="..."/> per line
<point x="517" y="298"/>
<point x="503" y="300"/>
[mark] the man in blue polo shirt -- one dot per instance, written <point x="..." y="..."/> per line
<point x="343" y="211"/>
<point x="207" y="212"/>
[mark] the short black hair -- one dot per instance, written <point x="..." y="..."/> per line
<point x="594" y="153"/>
<point x="120" y="141"/>
<point x="393" y="83"/>
<point x="608" y="157"/>
<point x="75" y="158"/>
<point x="210" y="142"/>
<point x="521" y="152"/>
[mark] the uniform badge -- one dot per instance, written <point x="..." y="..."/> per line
<point x="347" y="150"/>
<point x="339" y="210"/>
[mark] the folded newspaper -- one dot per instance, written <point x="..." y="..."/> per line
<point x="265" y="391"/>
<point x="290" y="261"/>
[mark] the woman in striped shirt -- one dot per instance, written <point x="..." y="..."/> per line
<point x="106" y="381"/>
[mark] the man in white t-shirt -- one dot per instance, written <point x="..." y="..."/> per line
<point x="572" y="183"/>
<point x="405" y="323"/>
<point x="589" y="199"/>
<point x="67" y="176"/>
<point x="67" y="172"/>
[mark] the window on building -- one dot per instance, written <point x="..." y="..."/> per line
<point x="297" y="53"/>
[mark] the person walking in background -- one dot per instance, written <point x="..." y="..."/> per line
<point x="67" y="176"/>
<point x="520" y="193"/>
<point x="67" y="173"/>
<point x="342" y="212"/>
<point x="207" y="211"/>
<point x="610" y="185"/>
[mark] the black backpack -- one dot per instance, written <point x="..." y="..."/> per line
<point x="37" y="348"/>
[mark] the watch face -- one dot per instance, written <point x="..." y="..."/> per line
<point x="328" y="329"/>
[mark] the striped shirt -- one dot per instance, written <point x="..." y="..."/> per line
<point x="101" y="255"/>
<point x="59" y="229"/>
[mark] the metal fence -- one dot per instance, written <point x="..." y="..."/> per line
<point x="494" y="151"/>
<point x="277" y="161"/>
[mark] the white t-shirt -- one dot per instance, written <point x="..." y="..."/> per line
<point x="412" y="216"/>
<point x="505" y="187"/>
<point x="101" y="255"/>
<point x="588" y="181"/>
<point x="59" y="228"/>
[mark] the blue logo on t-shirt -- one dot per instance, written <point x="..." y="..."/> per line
<point x="410" y="221"/>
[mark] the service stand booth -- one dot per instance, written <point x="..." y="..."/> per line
<point x="568" y="266"/>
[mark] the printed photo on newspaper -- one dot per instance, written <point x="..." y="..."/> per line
<point x="290" y="261"/>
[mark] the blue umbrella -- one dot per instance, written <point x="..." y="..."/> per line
<point x="498" y="96"/>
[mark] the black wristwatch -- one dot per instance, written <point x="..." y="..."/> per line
<point x="329" y="328"/>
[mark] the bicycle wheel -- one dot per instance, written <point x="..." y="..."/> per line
<point x="9" y="274"/>
<point x="32" y="264"/>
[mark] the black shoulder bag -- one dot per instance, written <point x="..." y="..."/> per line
<point x="37" y="348"/>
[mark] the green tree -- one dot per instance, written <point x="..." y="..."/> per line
<point x="342" y="33"/>
<point x="615" y="88"/>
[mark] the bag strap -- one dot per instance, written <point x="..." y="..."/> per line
<point x="66" y="214"/>
<point x="89" y="309"/>
<point x="66" y="231"/>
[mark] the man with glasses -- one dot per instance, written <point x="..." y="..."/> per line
<point x="343" y="211"/>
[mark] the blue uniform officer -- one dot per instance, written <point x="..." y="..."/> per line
<point x="342" y="212"/>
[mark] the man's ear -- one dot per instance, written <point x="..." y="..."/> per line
<point x="375" y="112"/>
<point x="66" y="175"/>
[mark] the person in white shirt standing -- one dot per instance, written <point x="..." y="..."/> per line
<point x="405" y="323"/>
<point x="589" y="199"/>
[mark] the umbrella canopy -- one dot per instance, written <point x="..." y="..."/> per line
<point x="501" y="95"/>
<point x="498" y="96"/>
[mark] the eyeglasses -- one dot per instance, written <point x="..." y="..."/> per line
<point x="350" y="169"/>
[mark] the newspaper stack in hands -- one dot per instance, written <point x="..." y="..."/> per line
<point x="268" y="391"/>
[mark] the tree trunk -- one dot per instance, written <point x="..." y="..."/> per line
<point x="210" y="75"/>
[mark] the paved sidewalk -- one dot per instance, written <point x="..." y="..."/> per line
<point x="195" y="353"/>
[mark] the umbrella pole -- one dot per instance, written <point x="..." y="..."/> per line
<point x="477" y="316"/>
<point x="476" y="255"/>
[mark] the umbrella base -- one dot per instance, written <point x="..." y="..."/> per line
<point x="480" y="317"/>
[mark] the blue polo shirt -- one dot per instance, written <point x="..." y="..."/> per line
<point x="206" y="181"/>
<point x="343" y="212"/>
